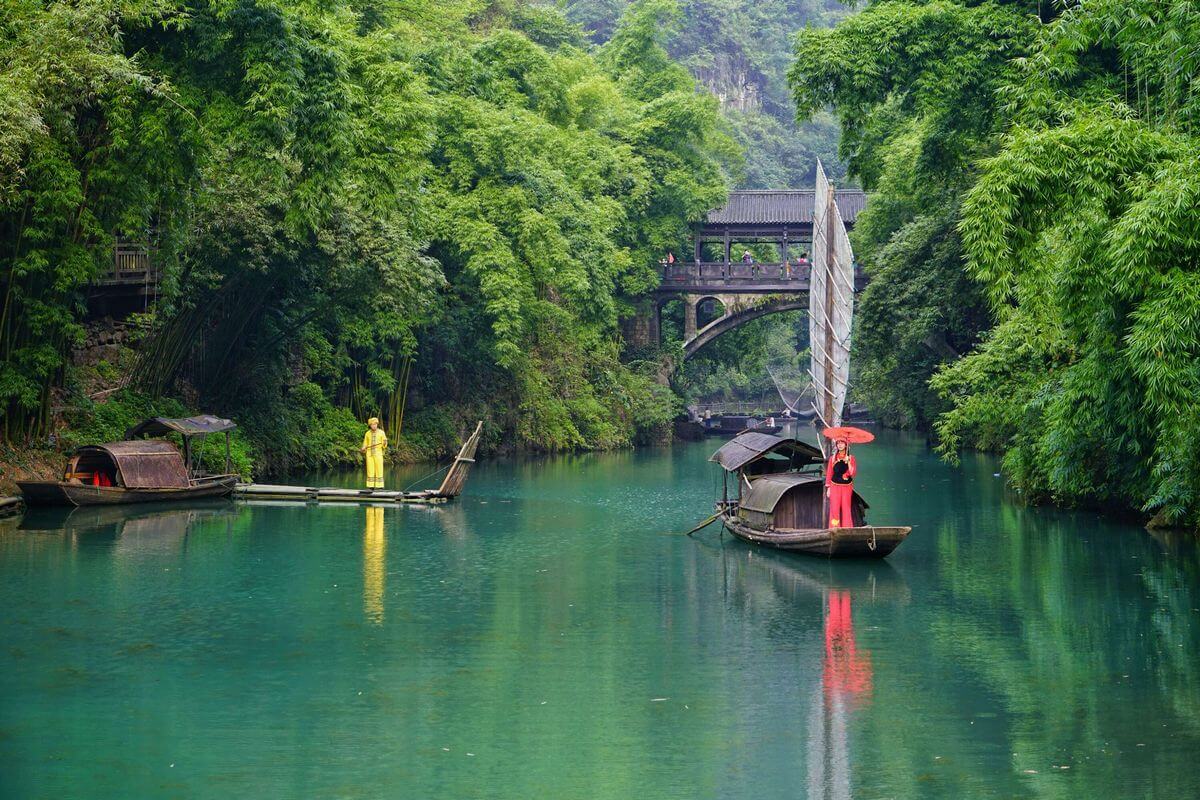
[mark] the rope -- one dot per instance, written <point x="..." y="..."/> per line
<point x="872" y="544"/>
<point x="430" y="475"/>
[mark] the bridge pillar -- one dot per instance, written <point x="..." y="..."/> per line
<point x="689" y="316"/>
<point x="642" y="330"/>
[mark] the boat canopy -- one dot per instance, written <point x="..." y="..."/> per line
<point x="188" y="426"/>
<point x="139" y="465"/>
<point x="749" y="447"/>
<point x="765" y="492"/>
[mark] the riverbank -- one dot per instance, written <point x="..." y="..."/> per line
<point x="309" y="434"/>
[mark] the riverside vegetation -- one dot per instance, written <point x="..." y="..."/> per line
<point x="1033" y="237"/>
<point x="429" y="211"/>
<point x="437" y="211"/>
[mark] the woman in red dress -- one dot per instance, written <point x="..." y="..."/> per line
<point x="839" y="485"/>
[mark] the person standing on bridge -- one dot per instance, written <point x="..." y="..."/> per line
<point x="839" y="485"/>
<point x="374" y="444"/>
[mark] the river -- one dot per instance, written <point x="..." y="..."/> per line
<point x="551" y="635"/>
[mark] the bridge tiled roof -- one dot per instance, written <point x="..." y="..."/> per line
<point x="776" y="207"/>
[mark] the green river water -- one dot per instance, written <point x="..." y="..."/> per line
<point x="545" y="637"/>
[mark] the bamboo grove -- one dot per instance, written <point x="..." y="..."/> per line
<point x="423" y="210"/>
<point x="1034" y="239"/>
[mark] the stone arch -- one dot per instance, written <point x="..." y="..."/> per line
<point x="740" y="316"/>
<point x="717" y="307"/>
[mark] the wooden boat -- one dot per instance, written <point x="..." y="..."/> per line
<point x="780" y="486"/>
<point x="781" y="501"/>
<point x="138" y="470"/>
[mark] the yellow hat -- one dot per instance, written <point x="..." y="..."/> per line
<point x="373" y="419"/>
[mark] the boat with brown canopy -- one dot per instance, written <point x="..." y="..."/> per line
<point x="781" y="493"/>
<point x="139" y="469"/>
<point x="780" y="501"/>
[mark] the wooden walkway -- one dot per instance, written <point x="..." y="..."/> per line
<point x="315" y="494"/>
<point x="451" y="487"/>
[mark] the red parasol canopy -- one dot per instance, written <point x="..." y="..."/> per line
<point x="850" y="434"/>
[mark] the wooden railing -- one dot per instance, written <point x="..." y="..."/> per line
<point x="743" y="407"/>
<point x="739" y="276"/>
<point x="734" y="271"/>
<point x="133" y="264"/>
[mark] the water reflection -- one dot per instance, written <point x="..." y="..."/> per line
<point x="374" y="567"/>
<point x="157" y="524"/>
<point x="545" y="626"/>
<point x="845" y="684"/>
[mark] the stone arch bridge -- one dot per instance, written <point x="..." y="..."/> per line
<point x="745" y="291"/>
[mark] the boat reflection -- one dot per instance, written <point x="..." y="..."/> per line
<point x="846" y="674"/>
<point x="166" y="522"/>
<point x="845" y="686"/>
<point x="374" y="566"/>
<point x="796" y="579"/>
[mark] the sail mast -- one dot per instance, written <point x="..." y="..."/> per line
<point x="831" y="305"/>
<point x="830" y="415"/>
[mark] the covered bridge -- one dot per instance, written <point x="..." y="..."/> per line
<point x="784" y="216"/>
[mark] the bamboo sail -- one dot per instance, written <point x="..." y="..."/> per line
<point x="830" y="305"/>
<point x="456" y="478"/>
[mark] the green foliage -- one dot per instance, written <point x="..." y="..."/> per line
<point x="914" y="86"/>
<point x="349" y="206"/>
<point x="919" y="311"/>
<point x="739" y="51"/>
<point x="557" y="180"/>
<point x="62" y="191"/>
<point x="1073" y="147"/>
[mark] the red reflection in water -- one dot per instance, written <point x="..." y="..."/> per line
<point x="847" y="672"/>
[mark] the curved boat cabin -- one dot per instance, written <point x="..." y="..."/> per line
<point x="138" y="470"/>
<point x="791" y="500"/>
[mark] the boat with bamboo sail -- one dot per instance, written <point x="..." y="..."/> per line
<point x="139" y="469"/>
<point x="450" y="487"/>
<point x="781" y="500"/>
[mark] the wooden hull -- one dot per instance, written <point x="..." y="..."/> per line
<point x="865" y="542"/>
<point x="63" y="493"/>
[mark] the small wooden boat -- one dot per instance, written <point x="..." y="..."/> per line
<point x="138" y="470"/>
<point x="780" y="486"/>
<point x="780" y="501"/>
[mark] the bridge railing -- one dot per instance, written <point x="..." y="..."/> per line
<point x="738" y="274"/>
<point x="748" y="407"/>
<point x="734" y="272"/>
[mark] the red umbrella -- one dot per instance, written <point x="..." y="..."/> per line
<point x="849" y="434"/>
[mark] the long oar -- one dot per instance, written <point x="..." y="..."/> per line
<point x="704" y="524"/>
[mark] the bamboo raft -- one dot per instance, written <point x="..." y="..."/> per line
<point x="451" y="486"/>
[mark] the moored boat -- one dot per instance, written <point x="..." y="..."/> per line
<point x="139" y="470"/>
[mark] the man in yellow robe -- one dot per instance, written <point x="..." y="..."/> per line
<point x="374" y="444"/>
